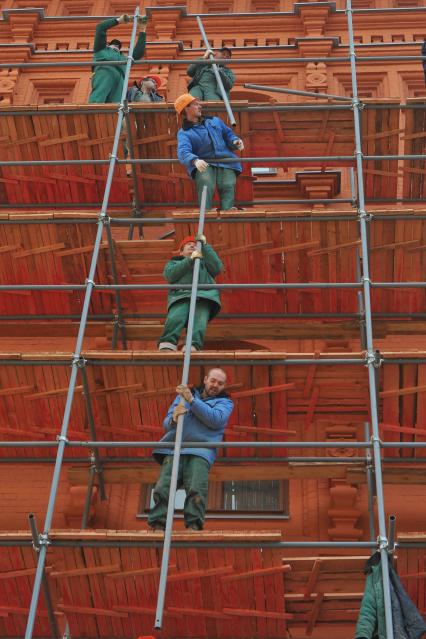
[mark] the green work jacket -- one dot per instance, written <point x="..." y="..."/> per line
<point x="102" y="53"/>
<point x="179" y="271"/>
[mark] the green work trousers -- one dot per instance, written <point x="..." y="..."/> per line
<point x="207" y="91"/>
<point x="177" y="319"/>
<point x="107" y="85"/>
<point x="193" y="476"/>
<point x="223" y="179"/>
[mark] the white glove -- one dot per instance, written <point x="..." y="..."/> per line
<point x="239" y="144"/>
<point x="208" y="53"/>
<point x="123" y="18"/>
<point x="196" y="255"/>
<point x="200" y="165"/>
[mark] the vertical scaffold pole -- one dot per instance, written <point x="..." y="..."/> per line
<point x="179" y="429"/>
<point x="90" y="284"/>
<point x="371" y="359"/>
<point x="217" y="75"/>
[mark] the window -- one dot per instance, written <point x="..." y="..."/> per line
<point x="232" y="499"/>
<point x="264" y="170"/>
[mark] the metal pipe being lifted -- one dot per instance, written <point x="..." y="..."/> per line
<point x="179" y="426"/>
<point x="62" y="439"/>
<point x="371" y="359"/>
<point x="217" y="74"/>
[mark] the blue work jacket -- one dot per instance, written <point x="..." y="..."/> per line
<point x="205" y="421"/>
<point x="195" y="141"/>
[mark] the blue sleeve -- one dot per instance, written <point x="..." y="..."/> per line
<point x="184" y="150"/>
<point x="214" y="417"/>
<point x="228" y="135"/>
<point x="167" y="423"/>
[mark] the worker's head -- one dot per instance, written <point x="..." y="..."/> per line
<point x="223" y="54"/>
<point x="151" y="82"/>
<point x="188" y="106"/>
<point x="187" y="246"/>
<point x="115" y="44"/>
<point x="214" y="382"/>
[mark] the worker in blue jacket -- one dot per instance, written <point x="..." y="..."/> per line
<point x="208" y="138"/>
<point x="206" y="412"/>
<point x="107" y="81"/>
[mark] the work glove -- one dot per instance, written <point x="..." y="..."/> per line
<point x="239" y="144"/>
<point x="179" y="410"/>
<point x="124" y="18"/>
<point x="201" y="238"/>
<point x="142" y="20"/>
<point x="196" y="255"/>
<point x="184" y="391"/>
<point x="208" y="53"/>
<point x="200" y="165"/>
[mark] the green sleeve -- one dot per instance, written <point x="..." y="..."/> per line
<point x="100" y="34"/>
<point x="140" y="46"/>
<point x="212" y="261"/>
<point x="227" y="77"/>
<point x="174" y="269"/>
<point x="192" y="69"/>
<point x="367" y="620"/>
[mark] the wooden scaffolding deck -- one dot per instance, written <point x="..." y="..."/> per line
<point x="86" y="132"/>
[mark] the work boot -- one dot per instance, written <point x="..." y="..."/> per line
<point x="167" y="346"/>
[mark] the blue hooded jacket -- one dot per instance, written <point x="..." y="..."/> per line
<point x="196" y="141"/>
<point x="205" y="421"/>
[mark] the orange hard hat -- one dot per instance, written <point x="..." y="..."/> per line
<point x="182" y="101"/>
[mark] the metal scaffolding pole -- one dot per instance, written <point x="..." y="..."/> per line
<point x="217" y="74"/>
<point x="371" y="355"/>
<point x="131" y="152"/>
<point x="120" y="321"/>
<point x="369" y="469"/>
<point x="45" y="584"/>
<point x="179" y="427"/>
<point x="308" y="94"/>
<point x="96" y="461"/>
<point x="62" y="439"/>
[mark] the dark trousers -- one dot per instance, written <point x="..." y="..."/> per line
<point x="223" y="179"/>
<point x="193" y="476"/>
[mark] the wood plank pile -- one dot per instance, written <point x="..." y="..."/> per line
<point x="112" y="591"/>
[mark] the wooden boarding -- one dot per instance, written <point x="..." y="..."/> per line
<point x="89" y="136"/>
<point x="414" y="138"/>
<point x="82" y="588"/>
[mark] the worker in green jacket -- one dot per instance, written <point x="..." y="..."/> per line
<point x="203" y="84"/>
<point x="107" y="81"/>
<point x="179" y="270"/>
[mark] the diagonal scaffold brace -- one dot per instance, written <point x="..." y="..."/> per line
<point x="179" y="428"/>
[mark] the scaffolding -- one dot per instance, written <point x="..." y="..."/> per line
<point x="372" y="447"/>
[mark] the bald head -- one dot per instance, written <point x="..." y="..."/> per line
<point x="214" y="382"/>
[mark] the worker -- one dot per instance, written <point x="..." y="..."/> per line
<point x="179" y="270"/>
<point x="424" y="53"/>
<point x="204" y="84"/>
<point x="206" y="412"/>
<point x="145" y="90"/>
<point x="107" y="81"/>
<point x="208" y="138"/>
